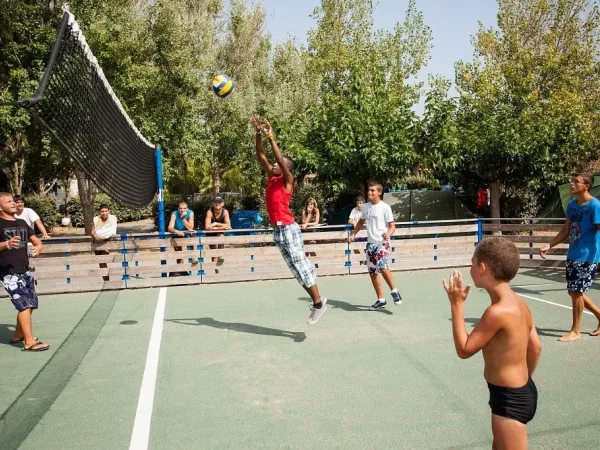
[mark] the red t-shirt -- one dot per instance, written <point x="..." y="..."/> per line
<point x="278" y="202"/>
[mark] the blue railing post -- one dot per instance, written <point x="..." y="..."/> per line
<point x="479" y="229"/>
<point x="159" y="180"/>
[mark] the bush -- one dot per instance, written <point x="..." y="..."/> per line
<point x="122" y="213"/>
<point x="415" y="182"/>
<point x="45" y="207"/>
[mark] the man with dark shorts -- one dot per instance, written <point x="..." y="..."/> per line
<point x="15" y="276"/>
<point x="582" y="228"/>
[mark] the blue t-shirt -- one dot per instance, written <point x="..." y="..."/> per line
<point x="179" y="226"/>
<point x="584" y="236"/>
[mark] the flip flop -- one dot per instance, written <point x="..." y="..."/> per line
<point x="16" y="341"/>
<point x="37" y="347"/>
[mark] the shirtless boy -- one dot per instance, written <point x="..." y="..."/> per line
<point x="506" y="335"/>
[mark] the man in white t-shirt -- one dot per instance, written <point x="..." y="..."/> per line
<point x="380" y="228"/>
<point x="29" y="216"/>
<point x="356" y="212"/>
<point x="104" y="225"/>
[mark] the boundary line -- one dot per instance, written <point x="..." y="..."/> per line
<point x="143" y="415"/>
<point x="551" y="303"/>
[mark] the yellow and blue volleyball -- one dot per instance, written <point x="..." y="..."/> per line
<point x="222" y="86"/>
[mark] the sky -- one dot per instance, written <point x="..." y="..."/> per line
<point x="453" y="23"/>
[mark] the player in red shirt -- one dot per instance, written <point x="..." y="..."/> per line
<point x="286" y="232"/>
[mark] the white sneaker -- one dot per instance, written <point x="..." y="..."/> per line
<point x="315" y="314"/>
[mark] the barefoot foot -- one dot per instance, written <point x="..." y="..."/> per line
<point x="570" y="337"/>
<point x="596" y="332"/>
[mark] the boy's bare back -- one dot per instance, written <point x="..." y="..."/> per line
<point x="505" y="355"/>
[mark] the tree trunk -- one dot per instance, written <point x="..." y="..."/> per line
<point x="215" y="175"/>
<point x="87" y="195"/>
<point x="16" y="181"/>
<point x="495" y="189"/>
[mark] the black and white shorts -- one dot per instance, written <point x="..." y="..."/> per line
<point x="20" y="288"/>
<point x="580" y="275"/>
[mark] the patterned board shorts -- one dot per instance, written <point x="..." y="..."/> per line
<point x="580" y="275"/>
<point x="377" y="256"/>
<point x="21" y="290"/>
<point x="288" y="239"/>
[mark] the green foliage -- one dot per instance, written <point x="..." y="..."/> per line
<point x="45" y="207"/>
<point x="123" y="214"/>
<point x="420" y="182"/>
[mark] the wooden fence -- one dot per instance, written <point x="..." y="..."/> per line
<point x="149" y="260"/>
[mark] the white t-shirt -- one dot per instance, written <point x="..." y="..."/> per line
<point x="106" y="229"/>
<point x="378" y="216"/>
<point x="29" y="216"/>
<point x="355" y="215"/>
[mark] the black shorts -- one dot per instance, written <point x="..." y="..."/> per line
<point x="580" y="275"/>
<point x="514" y="403"/>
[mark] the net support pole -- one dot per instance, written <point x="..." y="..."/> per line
<point x="161" y="198"/>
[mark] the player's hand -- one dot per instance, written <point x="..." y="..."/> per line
<point x="385" y="236"/>
<point x="303" y="226"/>
<point x="266" y="126"/>
<point x="543" y="250"/>
<point x="180" y="233"/>
<point x="14" y="242"/>
<point x="35" y="251"/>
<point x="454" y="288"/>
<point x="255" y="120"/>
<point x="351" y="238"/>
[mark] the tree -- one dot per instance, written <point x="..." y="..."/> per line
<point x="528" y="112"/>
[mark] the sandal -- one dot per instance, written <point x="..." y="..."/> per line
<point x="37" y="347"/>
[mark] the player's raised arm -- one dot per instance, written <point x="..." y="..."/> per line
<point x="281" y="161"/>
<point x="260" y="151"/>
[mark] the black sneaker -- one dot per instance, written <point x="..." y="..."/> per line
<point x="397" y="298"/>
<point x="377" y="305"/>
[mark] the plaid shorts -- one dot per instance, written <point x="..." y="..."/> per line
<point x="377" y="256"/>
<point x="20" y="288"/>
<point x="288" y="239"/>
<point x="580" y="275"/>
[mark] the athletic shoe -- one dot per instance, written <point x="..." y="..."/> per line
<point x="397" y="298"/>
<point x="315" y="314"/>
<point x="377" y="305"/>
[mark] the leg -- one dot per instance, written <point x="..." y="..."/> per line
<point x="389" y="278"/>
<point x="24" y="324"/>
<point x="589" y="304"/>
<point x="575" y="332"/>
<point x="377" y="285"/>
<point x="509" y="434"/>
<point x="313" y="291"/>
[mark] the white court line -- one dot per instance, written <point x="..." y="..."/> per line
<point x="550" y="303"/>
<point x="143" y="415"/>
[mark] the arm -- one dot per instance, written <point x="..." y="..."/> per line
<point x="207" y="221"/>
<point x="189" y="223"/>
<point x="37" y="245"/>
<point x="42" y="228"/>
<point x="317" y="218"/>
<point x="260" y="151"/>
<point x="227" y="224"/>
<point x="287" y="175"/>
<point x="357" y="228"/>
<point x="467" y="345"/>
<point x="534" y="350"/>
<point x="93" y="231"/>
<point x="390" y="231"/>
<point x="560" y="237"/>
<point x="171" y="227"/>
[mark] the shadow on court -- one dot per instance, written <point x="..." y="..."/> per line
<point x="6" y="332"/>
<point x="338" y="304"/>
<point x="241" y="328"/>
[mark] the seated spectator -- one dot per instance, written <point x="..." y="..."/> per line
<point x="357" y="211"/>
<point x="29" y="216"/>
<point x="310" y="214"/>
<point x="104" y="225"/>
<point x="217" y="217"/>
<point x="181" y="220"/>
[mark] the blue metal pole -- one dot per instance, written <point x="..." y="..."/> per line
<point x="479" y="229"/>
<point x="161" y="199"/>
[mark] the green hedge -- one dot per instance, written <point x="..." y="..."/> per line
<point x="45" y="207"/>
<point x="122" y="213"/>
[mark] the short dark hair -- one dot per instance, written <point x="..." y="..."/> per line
<point x="501" y="255"/>
<point x="182" y="202"/>
<point x="289" y="162"/>
<point x="18" y="197"/>
<point x="376" y="184"/>
<point x="588" y="178"/>
<point x="360" y="198"/>
<point x="102" y="206"/>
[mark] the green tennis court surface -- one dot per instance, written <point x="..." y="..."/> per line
<point x="239" y="368"/>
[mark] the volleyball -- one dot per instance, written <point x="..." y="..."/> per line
<point x="222" y="86"/>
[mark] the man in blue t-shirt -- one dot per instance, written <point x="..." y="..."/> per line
<point x="582" y="228"/>
<point x="181" y="220"/>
